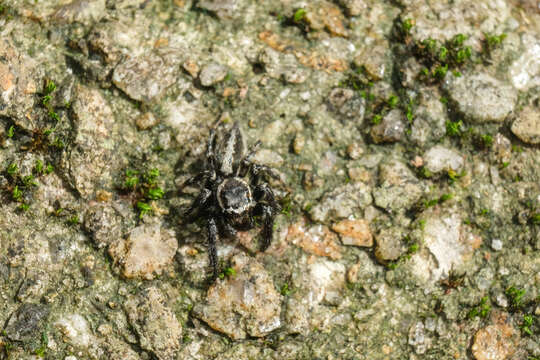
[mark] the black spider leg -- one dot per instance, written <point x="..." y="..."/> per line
<point x="228" y="230"/>
<point x="245" y="163"/>
<point x="210" y="156"/>
<point x="268" y="226"/>
<point x="212" y="252"/>
<point x="198" y="204"/>
<point x="209" y="172"/>
<point x="267" y="207"/>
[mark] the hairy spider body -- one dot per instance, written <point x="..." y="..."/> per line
<point x="232" y="193"/>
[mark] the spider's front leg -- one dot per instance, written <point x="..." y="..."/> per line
<point x="212" y="251"/>
<point x="268" y="214"/>
<point x="199" y="203"/>
<point x="264" y="193"/>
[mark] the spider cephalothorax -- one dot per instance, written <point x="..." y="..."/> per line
<point x="232" y="193"/>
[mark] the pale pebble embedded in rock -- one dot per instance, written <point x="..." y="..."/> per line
<point x="480" y="97"/>
<point x="354" y="232"/>
<point x="243" y="304"/>
<point x="390" y="129"/>
<point x="212" y="74"/>
<point x="527" y="125"/>
<point x="439" y="159"/>
<point x="147" y="251"/>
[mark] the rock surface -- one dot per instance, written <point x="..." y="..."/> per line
<point x="482" y="98"/>
<point x="243" y="304"/>
<point x="146" y="251"/>
<point x="155" y="323"/>
<point x="527" y="125"/>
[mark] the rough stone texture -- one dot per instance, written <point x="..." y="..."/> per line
<point x="494" y="342"/>
<point x="212" y="73"/>
<point x="303" y="88"/>
<point x="354" y="232"/>
<point x="354" y="7"/>
<point x="460" y="17"/>
<point x="480" y="97"/>
<point x="374" y="60"/>
<point x="27" y="322"/>
<point x="322" y="282"/>
<point x="448" y="240"/>
<point x="104" y="223"/>
<point x="525" y="71"/>
<point x="286" y="66"/>
<point x="224" y="9"/>
<point x="76" y="330"/>
<point x="317" y="239"/>
<point x="429" y="118"/>
<point x="19" y="81"/>
<point x="325" y="15"/>
<point x="390" y="245"/>
<point x="347" y="104"/>
<point x="146" y="77"/>
<point x="155" y="323"/>
<point x="440" y="159"/>
<point x="145" y="252"/>
<point x="399" y="189"/>
<point x="87" y="161"/>
<point x="527" y="125"/>
<point x="243" y="304"/>
<point x="390" y="129"/>
<point x="342" y="202"/>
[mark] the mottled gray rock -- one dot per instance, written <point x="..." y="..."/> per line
<point x="145" y="252"/>
<point x="146" y="77"/>
<point x="442" y="20"/>
<point x="354" y="232"/>
<point x="342" y="202"/>
<point x="19" y="79"/>
<point x="320" y="283"/>
<point x="88" y="160"/>
<point x="389" y="245"/>
<point x="224" y="9"/>
<point x="418" y="338"/>
<point x="494" y="342"/>
<point x="212" y="73"/>
<point x="525" y="71"/>
<point x="354" y="7"/>
<point x="268" y="157"/>
<point x="104" y="223"/>
<point x="440" y="159"/>
<point x="390" y="129"/>
<point x="286" y="66"/>
<point x="374" y="60"/>
<point x="480" y="97"/>
<point x="75" y="329"/>
<point x="146" y="121"/>
<point x="527" y="125"/>
<point x="448" y="242"/>
<point x="154" y="322"/>
<point x="430" y="118"/>
<point x="322" y="14"/>
<point x="243" y="304"/>
<point x="399" y="189"/>
<point x="81" y="11"/>
<point x="347" y="104"/>
<point x="27" y="322"/>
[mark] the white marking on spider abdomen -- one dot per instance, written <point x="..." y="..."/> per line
<point x="233" y="150"/>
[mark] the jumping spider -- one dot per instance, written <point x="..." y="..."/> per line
<point x="231" y="195"/>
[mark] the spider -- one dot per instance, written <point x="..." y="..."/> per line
<point x="232" y="194"/>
